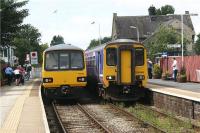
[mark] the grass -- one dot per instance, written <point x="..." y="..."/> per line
<point x="167" y="123"/>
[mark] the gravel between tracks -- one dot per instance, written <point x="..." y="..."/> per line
<point x="75" y="121"/>
<point x="115" y="120"/>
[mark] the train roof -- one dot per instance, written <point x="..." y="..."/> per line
<point x="118" y="41"/>
<point x="127" y="41"/>
<point x="62" y="47"/>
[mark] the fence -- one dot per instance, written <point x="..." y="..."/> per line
<point x="191" y="64"/>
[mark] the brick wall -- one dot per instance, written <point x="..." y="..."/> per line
<point x="197" y="110"/>
<point x="176" y="105"/>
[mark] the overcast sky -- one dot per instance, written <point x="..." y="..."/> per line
<point x="72" y="18"/>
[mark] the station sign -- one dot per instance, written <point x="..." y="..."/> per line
<point x="34" y="57"/>
<point x="174" y="45"/>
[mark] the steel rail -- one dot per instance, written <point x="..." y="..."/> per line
<point x="135" y="117"/>
<point x="93" y="119"/>
<point x="58" y="117"/>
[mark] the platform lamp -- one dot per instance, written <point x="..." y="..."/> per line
<point x="99" y="32"/>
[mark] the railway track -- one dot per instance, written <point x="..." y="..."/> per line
<point x="97" y="118"/>
<point x="74" y="119"/>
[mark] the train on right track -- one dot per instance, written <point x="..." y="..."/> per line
<point x="118" y="70"/>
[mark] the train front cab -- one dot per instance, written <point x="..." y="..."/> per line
<point x="125" y="72"/>
<point x="63" y="82"/>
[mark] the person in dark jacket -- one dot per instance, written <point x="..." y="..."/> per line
<point x="9" y="74"/>
<point x="150" y="67"/>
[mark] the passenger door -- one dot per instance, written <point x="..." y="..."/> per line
<point x="126" y="69"/>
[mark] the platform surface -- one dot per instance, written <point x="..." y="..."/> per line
<point x="187" y="90"/>
<point x="21" y="109"/>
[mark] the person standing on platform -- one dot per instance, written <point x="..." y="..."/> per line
<point x="150" y="66"/>
<point x="28" y="69"/>
<point x="9" y="74"/>
<point x="18" y="75"/>
<point x="175" y="69"/>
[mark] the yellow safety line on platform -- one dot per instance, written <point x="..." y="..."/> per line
<point x="12" y="121"/>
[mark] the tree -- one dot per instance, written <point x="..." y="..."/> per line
<point x="41" y="50"/>
<point x="27" y="40"/>
<point x="95" y="42"/>
<point x="152" y="10"/>
<point x="163" y="37"/>
<point x="167" y="9"/>
<point x="57" y="40"/>
<point x="164" y="10"/>
<point x="11" y="19"/>
<point x="197" y="45"/>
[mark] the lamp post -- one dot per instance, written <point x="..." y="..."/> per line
<point x="190" y="14"/>
<point x="138" y="35"/>
<point x="99" y="32"/>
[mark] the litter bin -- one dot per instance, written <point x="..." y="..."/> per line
<point x="198" y="75"/>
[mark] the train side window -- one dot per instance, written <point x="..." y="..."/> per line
<point x="51" y="61"/>
<point x="139" y="56"/>
<point x="64" y="60"/>
<point x="111" y="56"/>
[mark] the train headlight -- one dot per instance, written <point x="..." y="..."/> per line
<point x="110" y="77"/>
<point x="47" y="80"/>
<point x="140" y="77"/>
<point x="81" y="79"/>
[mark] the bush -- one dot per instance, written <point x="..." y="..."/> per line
<point x="182" y="77"/>
<point x="157" y="71"/>
<point x="166" y="75"/>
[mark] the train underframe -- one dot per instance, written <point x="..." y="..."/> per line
<point x="122" y="92"/>
<point x="63" y="92"/>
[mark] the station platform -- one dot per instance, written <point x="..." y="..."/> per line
<point x="187" y="90"/>
<point x="21" y="109"/>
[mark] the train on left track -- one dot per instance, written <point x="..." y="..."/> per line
<point x="63" y="72"/>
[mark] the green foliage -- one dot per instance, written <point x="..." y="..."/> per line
<point x="197" y="45"/>
<point x="163" y="37"/>
<point x="167" y="9"/>
<point x="57" y="40"/>
<point x="157" y="71"/>
<point x="27" y="40"/>
<point x="152" y="10"/>
<point x="95" y="42"/>
<point x="42" y="48"/>
<point x="12" y="16"/>
<point x="164" y="10"/>
<point x="182" y="71"/>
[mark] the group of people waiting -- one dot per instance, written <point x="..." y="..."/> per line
<point x="18" y="73"/>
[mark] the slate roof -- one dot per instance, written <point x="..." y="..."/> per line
<point x="146" y="25"/>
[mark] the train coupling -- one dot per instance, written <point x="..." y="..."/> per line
<point x="126" y="89"/>
<point x="65" y="89"/>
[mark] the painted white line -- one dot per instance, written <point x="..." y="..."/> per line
<point x="177" y="95"/>
<point x="44" y="117"/>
